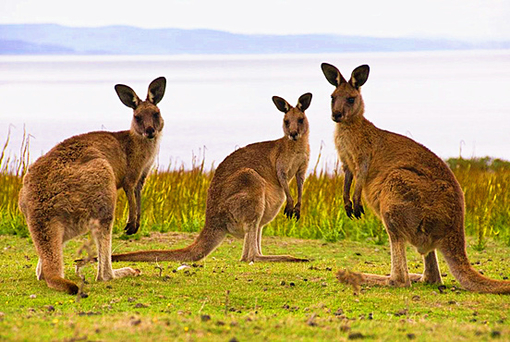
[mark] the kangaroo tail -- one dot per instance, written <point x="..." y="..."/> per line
<point x="468" y="277"/>
<point x="204" y="244"/>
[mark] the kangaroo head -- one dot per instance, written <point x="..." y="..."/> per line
<point x="147" y="120"/>
<point x="346" y="101"/>
<point x="295" y="123"/>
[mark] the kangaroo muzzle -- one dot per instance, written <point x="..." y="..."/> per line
<point x="150" y="133"/>
<point x="294" y="136"/>
<point x="336" y="116"/>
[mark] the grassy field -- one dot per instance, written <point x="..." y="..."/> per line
<point x="222" y="299"/>
<point x="225" y="300"/>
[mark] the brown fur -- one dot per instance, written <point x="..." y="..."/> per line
<point x="73" y="187"/>
<point x="247" y="191"/>
<point x="412" y="190"/>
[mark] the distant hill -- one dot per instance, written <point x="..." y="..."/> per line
<point x="36" y="39"/>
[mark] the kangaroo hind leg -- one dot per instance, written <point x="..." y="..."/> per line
<point x="48" y="242"/>
<point x="247" y="208"/>
<point x="102" y="233"/>
<point x="252" y="250"/>
<point x="399" y="276"/>
<point x="431" y="273"/>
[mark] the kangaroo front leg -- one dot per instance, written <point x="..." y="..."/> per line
<point x="138" y="198"/>
<point x="300" y="180"/>
<point x="284" y="183"/>
<point x="361" y="176"/>
<point x="347" y="191"/>
<point x="132" y="224"/>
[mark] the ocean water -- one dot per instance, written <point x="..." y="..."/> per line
<point x="455" y="103"/>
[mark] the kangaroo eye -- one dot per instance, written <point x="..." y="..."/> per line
<point x="300" y="121"/>
<point x="350" y="100"/>
<point x="138" y="119"/>
<point x="155" y="115"/>
<point x="286" y="122"/>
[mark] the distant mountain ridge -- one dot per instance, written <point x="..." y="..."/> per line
<point x="38" y="39"/>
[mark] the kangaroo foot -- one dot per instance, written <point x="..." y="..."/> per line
<point x="118" y="273"/>
<point x="351" y="278"/>
<point x="415" y="277"/>
<point x="425" y="278"/>
<point x="276" y="258"/>
<point x="126" y="272"/>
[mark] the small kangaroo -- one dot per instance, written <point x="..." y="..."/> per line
<point x="73" y="188"/>
<point x="247" y="192"/>
<point x="412" y="191"/>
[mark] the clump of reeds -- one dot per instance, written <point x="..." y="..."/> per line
<point x="174" y="200"/>
<point x="12" y="170"/>
<point x="486" y="186"/>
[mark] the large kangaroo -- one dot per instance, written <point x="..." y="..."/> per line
<point x="73" y="188"/>
<point x="411" y="189"/>
<point x="248" y="190"/>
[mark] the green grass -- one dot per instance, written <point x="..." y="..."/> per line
<point x="220" y="298"/>
<point x="174" y="200"/>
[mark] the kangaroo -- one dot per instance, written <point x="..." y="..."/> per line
<point x="73" y="188"/>
<point x="247" y="192"/>
<point x="408" y="187"/>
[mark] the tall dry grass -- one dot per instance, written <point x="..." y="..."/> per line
<point x="174" y="200"/>
<point x="12" y="169"/>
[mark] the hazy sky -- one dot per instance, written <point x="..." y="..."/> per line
<point x="465" y="19"/>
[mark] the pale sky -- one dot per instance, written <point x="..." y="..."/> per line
<point x="461" y="19"/>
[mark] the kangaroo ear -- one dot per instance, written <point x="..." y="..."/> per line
<point x="304" y="101"/>
<point x="359" y="76"/>
<point x="281" y="104"/>
<point x="156" y="90"/>
<point x="332" y="74"/>
<point x="127" y="96"/>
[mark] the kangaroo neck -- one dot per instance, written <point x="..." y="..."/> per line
<point x="142" y="147"/>
<point x="296" y="145"/>
<point x="355" y="127"/>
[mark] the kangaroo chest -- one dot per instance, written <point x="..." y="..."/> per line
<point x="347" y="149"/>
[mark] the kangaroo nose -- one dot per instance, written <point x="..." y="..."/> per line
<point x="294" y="135"/>
<point x="336" y="116"/>
<point x="149" y="132"/>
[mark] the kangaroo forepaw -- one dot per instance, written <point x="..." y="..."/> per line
<point x="289" y="210"/>
<point x="348" y="210"/>
<point x="358" y="210"/>
<point x="131" y="228"/>
<point x="297" y="213"/>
